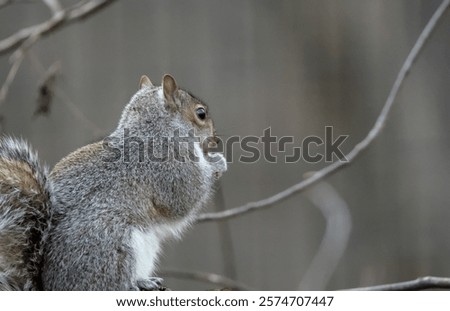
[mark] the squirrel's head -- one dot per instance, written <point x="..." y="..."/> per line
<point x="169" y="120"/>
<point x="167" y="106"/>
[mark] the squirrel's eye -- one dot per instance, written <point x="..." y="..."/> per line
<point x="201" y="113"/>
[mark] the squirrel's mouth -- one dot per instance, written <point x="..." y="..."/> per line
<point x="210" y="144"/>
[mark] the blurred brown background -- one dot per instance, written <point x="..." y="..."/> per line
<point x="295" y="66"/>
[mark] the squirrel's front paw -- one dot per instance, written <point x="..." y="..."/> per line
<point x="151" y="284"/>
<point x="219" y="163"/>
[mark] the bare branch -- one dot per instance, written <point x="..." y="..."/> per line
<point x="356" y="151"/>
<point x="46" y="89"/>
<point x="211" y="278"/>
<point x="225" y="236"/>
<point x="426" y="282"/>
<point x="80" y="12"/>
<point x="26" y="33"/>
<point x="335" y="239"/>
<point x="10" y="77"/>
<point x="16" y="59"/>
<point x="58" y="20"/>
<point x="53" y="5"/>
<point x="4" y="3"/>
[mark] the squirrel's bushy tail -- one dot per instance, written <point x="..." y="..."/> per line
<point x="24" y="215"/>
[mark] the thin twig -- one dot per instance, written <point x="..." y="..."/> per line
<point x="58" y="20"/>
<point x="211" y="278"/>
<point x="78" y="113"/>
<point x="426" y="282"/>
<point x="355" y="152"/>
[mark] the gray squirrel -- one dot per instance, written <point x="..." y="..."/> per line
<point x="97" y="221"/>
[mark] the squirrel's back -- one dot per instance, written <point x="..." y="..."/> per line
<point x="24" y="215"/>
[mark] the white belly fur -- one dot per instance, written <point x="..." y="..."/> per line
<point x="146" y="245"/>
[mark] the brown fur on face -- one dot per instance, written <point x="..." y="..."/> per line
<point x="177" y="100"/>
<point x="204" y="128"/>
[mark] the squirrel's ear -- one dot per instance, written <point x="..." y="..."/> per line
<point x="170" y="87"/>
<point x="145" y="81"/>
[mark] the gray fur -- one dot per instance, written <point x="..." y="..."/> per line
<point x="24" y="215"/>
